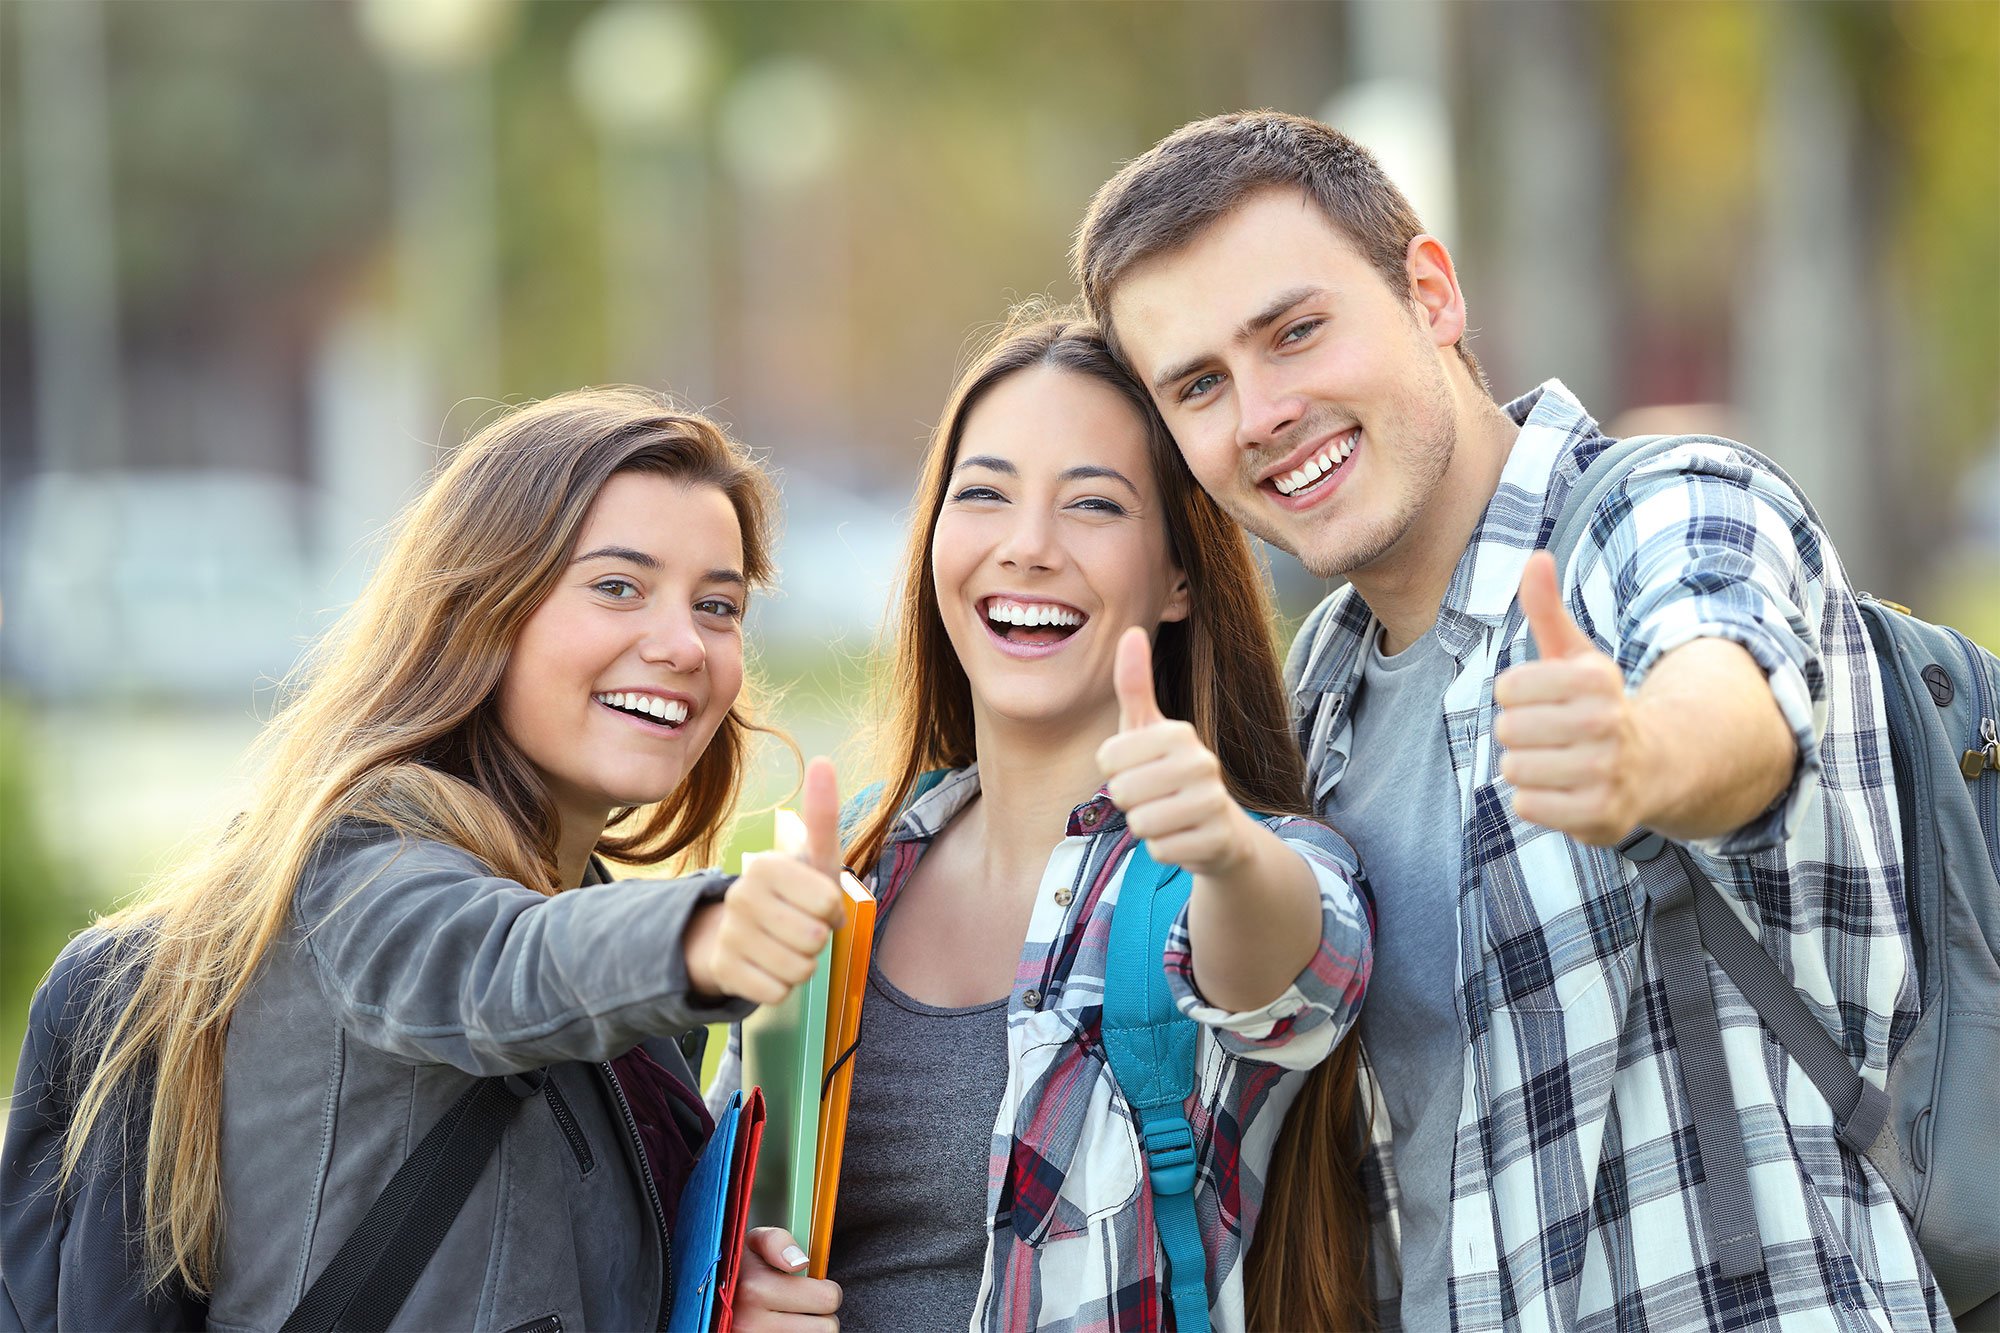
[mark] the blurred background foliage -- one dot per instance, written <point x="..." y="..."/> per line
<point x="260" y="264"/>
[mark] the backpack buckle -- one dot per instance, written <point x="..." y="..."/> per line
<point x="1170" y="1154"/>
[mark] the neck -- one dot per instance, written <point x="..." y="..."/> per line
<point x="1030" y="777"/>
<point x="1405" y="585"/>
<point x="574" y="844"/>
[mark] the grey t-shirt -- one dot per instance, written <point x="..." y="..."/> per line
<point x="1397" y="802"/>
<point x="909" y="1225"/>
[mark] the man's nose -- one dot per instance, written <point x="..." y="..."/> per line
<point x="1266" y="406"/>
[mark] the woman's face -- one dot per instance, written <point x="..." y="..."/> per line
<point x="621" y="676"/>
<point x="1050" y="543"/>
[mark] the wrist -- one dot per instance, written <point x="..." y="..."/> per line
<point x="698" y="943"/>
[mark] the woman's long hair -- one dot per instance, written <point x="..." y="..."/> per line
<point x="393" y="721"/>
<point x="1217" y="669"/>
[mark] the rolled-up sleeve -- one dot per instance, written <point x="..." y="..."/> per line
<point x="1299" y="1028"/>
<point x="1711" y="547"/>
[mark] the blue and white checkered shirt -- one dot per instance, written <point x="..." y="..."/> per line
<point x="1575" y="1199"/>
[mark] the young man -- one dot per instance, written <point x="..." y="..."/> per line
<point x="1486" y="727"/>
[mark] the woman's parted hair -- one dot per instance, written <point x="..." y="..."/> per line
<point x="1218" y="669"/>
<point x="391" y="719"/>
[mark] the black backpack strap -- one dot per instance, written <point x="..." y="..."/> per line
<point x="372" y="1273"/>
<point x="1688" y="917"/>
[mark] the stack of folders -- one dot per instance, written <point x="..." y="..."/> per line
<point x="799" y="1054"/>
<point x="713" y="1215"/>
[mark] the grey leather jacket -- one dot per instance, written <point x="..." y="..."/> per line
<point x="408" y="970"/>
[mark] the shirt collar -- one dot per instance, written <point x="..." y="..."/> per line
<point x="930" y="813"/>
<point x="1541" y="467"/>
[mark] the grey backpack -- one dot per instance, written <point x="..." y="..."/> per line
<point x="1935" y="1134"/>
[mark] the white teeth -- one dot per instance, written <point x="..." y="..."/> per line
<point x="1317" y="466"/>
<point x="671" y="711"/>
<point x="1029" y="615"/>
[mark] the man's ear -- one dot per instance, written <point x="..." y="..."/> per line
<point x="1178" y="600"/>
<point x="1440" y="306"/>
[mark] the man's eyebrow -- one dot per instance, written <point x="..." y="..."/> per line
<point x="990" y="463"/>
<point x="639" y="558"/>
<point x="1273" y="310"/>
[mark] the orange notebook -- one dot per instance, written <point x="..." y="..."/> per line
<point x="853" y="941"/>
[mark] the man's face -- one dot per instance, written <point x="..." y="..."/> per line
<point x="1308" y="397"/>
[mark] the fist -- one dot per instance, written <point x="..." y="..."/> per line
<point x="764" y="936"/>
<point x="1165" y="780"/>
<point x="773" y="1293"/>
<point x="1572" y="740"/>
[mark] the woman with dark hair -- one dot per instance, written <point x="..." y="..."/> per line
<point x="1082" y="660"/>
<point x="547" y="668"/>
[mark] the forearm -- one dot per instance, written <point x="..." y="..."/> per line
<point x="1255" y="925"/>
<point x="1715" y="747"/>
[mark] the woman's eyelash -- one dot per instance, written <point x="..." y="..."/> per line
<point x="977" y="493"/>
<point x="603" y="584"/>
<point x="1101" y="504"/>
<point x="717" y="606"/>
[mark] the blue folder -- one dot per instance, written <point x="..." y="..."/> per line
<point x="698" y="1227"/>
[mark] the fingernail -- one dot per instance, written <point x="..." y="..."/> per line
<point x="794" y="1257"/>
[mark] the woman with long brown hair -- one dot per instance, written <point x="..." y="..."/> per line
<point x="1082" y="660"/>
<point x="546" y="669"/>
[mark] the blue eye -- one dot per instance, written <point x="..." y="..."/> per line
<point x="1300" y="330"/>
<point x="1199" y="386"/>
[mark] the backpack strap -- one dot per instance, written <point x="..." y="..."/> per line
<point x="371" y="1275"/>
<point x="1150" y="1045"/>
<point x="1690" y="918"/>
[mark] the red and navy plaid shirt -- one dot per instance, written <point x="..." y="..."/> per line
<point x="1071" y="1243"/>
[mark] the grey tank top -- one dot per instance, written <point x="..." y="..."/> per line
<point x="909" y="1226"/>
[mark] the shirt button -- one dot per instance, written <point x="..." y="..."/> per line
<point x="1031" y="999"/>
<point x="1091" y="816"/>
<point x="1063" y="897"/>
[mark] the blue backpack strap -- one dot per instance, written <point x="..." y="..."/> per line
<point x="1151" y="1047"/>
<point x="860" y="805"/>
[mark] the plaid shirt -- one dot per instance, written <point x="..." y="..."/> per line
<point x="1575" y="1202"/>
<point x="1071" y="1243"/>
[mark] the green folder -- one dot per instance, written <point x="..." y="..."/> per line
<point x="784" y="1051"/>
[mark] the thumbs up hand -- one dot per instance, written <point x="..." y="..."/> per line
<point x="1165" y="780"/>
<point x="764" y="936"/>
<point x="1575" y="752"/>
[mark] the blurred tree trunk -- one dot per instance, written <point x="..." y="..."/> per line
<point x="1808" y="375"/>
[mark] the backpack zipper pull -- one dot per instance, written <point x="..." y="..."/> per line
<point x="1974" y="762"/>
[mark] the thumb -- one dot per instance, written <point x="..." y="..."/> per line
<point x="819" y="810"/>
<point x="775" y="1246"/>
<point x="1132" y="676"/>
<point x="1556" y="635"/>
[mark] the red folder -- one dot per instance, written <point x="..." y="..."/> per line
<point x="736" y="1216"/>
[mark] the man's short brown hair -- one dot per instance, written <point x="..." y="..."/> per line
<point x="1167" y="196"/>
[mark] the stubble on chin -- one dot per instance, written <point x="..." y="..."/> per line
<point x="1408" y="474"/>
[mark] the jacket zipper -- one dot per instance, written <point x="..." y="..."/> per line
<point x="566" y="1120"/>
<point x="652" y="1197"/>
